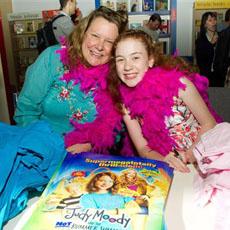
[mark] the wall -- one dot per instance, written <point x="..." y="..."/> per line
<point x="184" y="17"/>
<point x="184" y="27"/>
<point x="37" y="5"/>
<point x="18" y="6"/>
<point x="6" y="7"/>
<point x="4" y="115"/>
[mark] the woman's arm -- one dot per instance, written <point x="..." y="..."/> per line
<point x="199" y="109"/>
<point x="35" y="88"/>
<point x="79" y="148"/>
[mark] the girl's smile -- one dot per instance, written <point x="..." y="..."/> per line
<point x="132" y="61"/>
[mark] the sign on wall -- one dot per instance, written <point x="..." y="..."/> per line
<point x="212" y="4"/>
<point x="24" y="16"/>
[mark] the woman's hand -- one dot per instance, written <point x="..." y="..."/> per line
<point x="78" y="148"/>
<point x="177" y="162"/>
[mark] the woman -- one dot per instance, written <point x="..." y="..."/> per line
<point x="63" y="87"/>
<point x="132" y="183"/>
<point x="205" y="46"/>
<point x="70" y="83"/>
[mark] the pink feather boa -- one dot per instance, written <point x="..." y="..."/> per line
<point x="152" y="100"/>
<point x="101" y="132"/>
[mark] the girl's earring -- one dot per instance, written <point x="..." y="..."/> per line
<point x="151" y="62"/>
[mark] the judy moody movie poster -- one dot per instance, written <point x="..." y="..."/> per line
<point x="104" y="192"/>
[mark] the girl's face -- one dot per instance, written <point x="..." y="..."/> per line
<point x="104" y="183"/>
<point x="98" y="41"/>
<point x="211" y="22"/>
<point x="132" y="61"/>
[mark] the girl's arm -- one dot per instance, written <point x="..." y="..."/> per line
<point x="199" y="109"/>
<point x="141" y="145"/>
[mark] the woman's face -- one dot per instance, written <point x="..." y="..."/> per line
<point x="131" y="176"/>
<point x="98" y="41"/>
<point x="104" y="183"/>
<point x="132" y="61"/>
<point x="210" y="23"/>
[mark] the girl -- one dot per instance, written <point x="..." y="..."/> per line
<point x="163" y="110"/>
<point x="102" y="193"/>
<point x="166" y="122"/>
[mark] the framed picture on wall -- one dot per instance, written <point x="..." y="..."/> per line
<point x="122" y="5"/>
<point x="109" y="4"/>
<point x="30" y="27"/>
<point x="19" y="27"/>
<point x="148" y="5"/>
<point x="32" y="42"/>
<point x="161" y="4"/>
<point x="165" y="26"/>
<point x="135" y="5"/>
<point x="20" y="43"/>
<point x="134" y="25"/>
<point x="39" y="25"/>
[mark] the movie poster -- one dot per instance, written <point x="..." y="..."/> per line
<point x="93" y="191"/>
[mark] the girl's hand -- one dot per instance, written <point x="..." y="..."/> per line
<point x="78" y="148"/>
<point x="176" y="162"/>
<point x="190" y="156"/>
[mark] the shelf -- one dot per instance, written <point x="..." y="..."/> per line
<point x="167" y="9"/>
<point x="161" y="12"/>
<point x="24" y="34"/>
<point x="164" y="35"/>
<point x="24" y="43"/>
<point x="26" y="50"/>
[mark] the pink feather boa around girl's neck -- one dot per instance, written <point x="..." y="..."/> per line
<point x="152" y="100"/>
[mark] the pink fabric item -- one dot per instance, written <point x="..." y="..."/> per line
<point x="213" y="150"/>
<point x="212" y="185"/>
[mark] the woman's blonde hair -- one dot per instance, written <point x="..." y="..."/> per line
<point x="139" y="182"/>
<point x="76" y="38"/>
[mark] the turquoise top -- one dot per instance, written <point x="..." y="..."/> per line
<point x="45" y="97"/>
